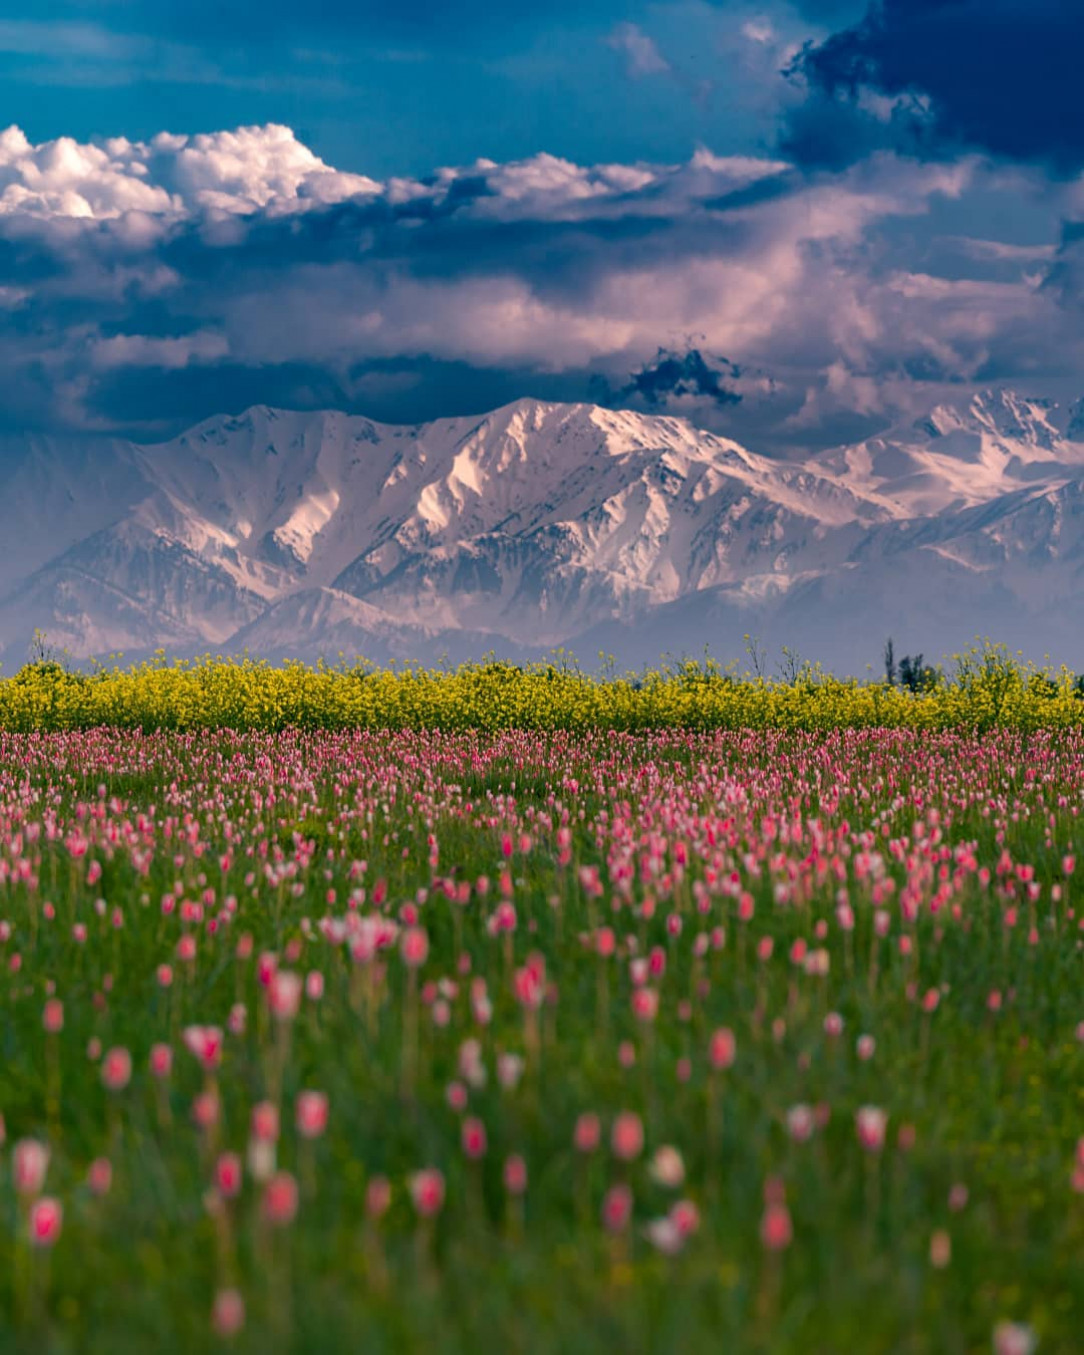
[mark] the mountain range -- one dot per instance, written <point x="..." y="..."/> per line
<point x="542" y="525"/>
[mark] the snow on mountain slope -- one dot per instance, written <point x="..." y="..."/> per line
<point x="540" y="524"/>
<point x="958" y="458"/>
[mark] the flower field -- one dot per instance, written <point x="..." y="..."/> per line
<point x="761" y="1040"/>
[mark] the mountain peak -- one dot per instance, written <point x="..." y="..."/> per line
<point x="1000" y="413"/>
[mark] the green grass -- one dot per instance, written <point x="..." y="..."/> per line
<point x="995" y="1099"/>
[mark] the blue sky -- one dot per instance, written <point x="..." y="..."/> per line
<point x="398" y="88"/>
<point x="795" y="221"/>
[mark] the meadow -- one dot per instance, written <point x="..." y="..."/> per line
<point x="538" y="1039"/>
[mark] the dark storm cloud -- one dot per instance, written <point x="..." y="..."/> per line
<point x="686" y="373"/>
<point x="938" y="76"/>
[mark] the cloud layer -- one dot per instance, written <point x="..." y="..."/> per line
<point x="144" y="285"/>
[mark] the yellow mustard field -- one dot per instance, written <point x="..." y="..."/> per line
<point x="985" y="687"/>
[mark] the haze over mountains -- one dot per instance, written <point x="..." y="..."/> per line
<point x="301" y="534"/>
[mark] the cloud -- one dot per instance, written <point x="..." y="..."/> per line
<point x="944" y="75"/>
<point x="676" y="377"/>
<point x="641" y="53"/>
<point x="225" y="172"/>
<point x="146" y="285"/>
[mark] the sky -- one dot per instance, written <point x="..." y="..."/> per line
<point x="798" y="222"/>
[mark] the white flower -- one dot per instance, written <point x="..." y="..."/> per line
<point x="665" y="1235"/>
<point x="667" y="1168"/>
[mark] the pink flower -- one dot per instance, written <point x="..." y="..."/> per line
<point x="515" y="1175"/>
<point x="800" y="1123"/>
<point x="228" y="1313"/>
<point x="645" y="1003"/>
<point x="265" y="1121"/>
<point x="509" y="1069"/>
<point x="617" y="1209"/>
<point x="1013" y="1338"/>
<point x="161" y="1060"/>
<point x="940" y="1249"/>
<point x="117" y="1069"/>
<point x="587" y="1133"/>
<point x="722" y="1049"/>
<point x="871" y="1122"/>
<point x="776" y="1230"/>
<point x="280" y="1199"/>
<point x="284" y="994"/>
<point x="685" y="1217"/>
<point x="29" y="1163"/>
<point x="427" y="1191"/>
<point x="377" y="1197"/>
<point x="205" y="1042"/>
<point x="52" y="1017"/>
<point x="473" y="1138"/>
<point x="205" y="1108"/>
<point x="46" y="1221"/>
<point x="100" y="1176"/>
<point x="229" y="1175"/>
<point x="312" y="1114"/>
<point x="415" y="947"/>
<point x="627" y="1138"/>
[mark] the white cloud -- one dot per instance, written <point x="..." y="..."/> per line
<point x="243" y="171"/>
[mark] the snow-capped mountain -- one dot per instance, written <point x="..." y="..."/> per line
<point x="544" y="524"/>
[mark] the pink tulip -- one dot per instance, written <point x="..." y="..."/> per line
<point x="280" y="1198"/>
<point x="117" y="1069"/>
<point x="229" y="1175"/>
<point x="427" y="1191"/>
<point x="30" y="1162"/>
<point x="722" y="1049"/>
<point x="312" y="1114"/>
<point x="46" y="1221"/>
<point x="587" y="1133"/>
<point x="617" y="1209"/>
<point x="871" y="1122"/>
<point x="228" y="1313"/>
